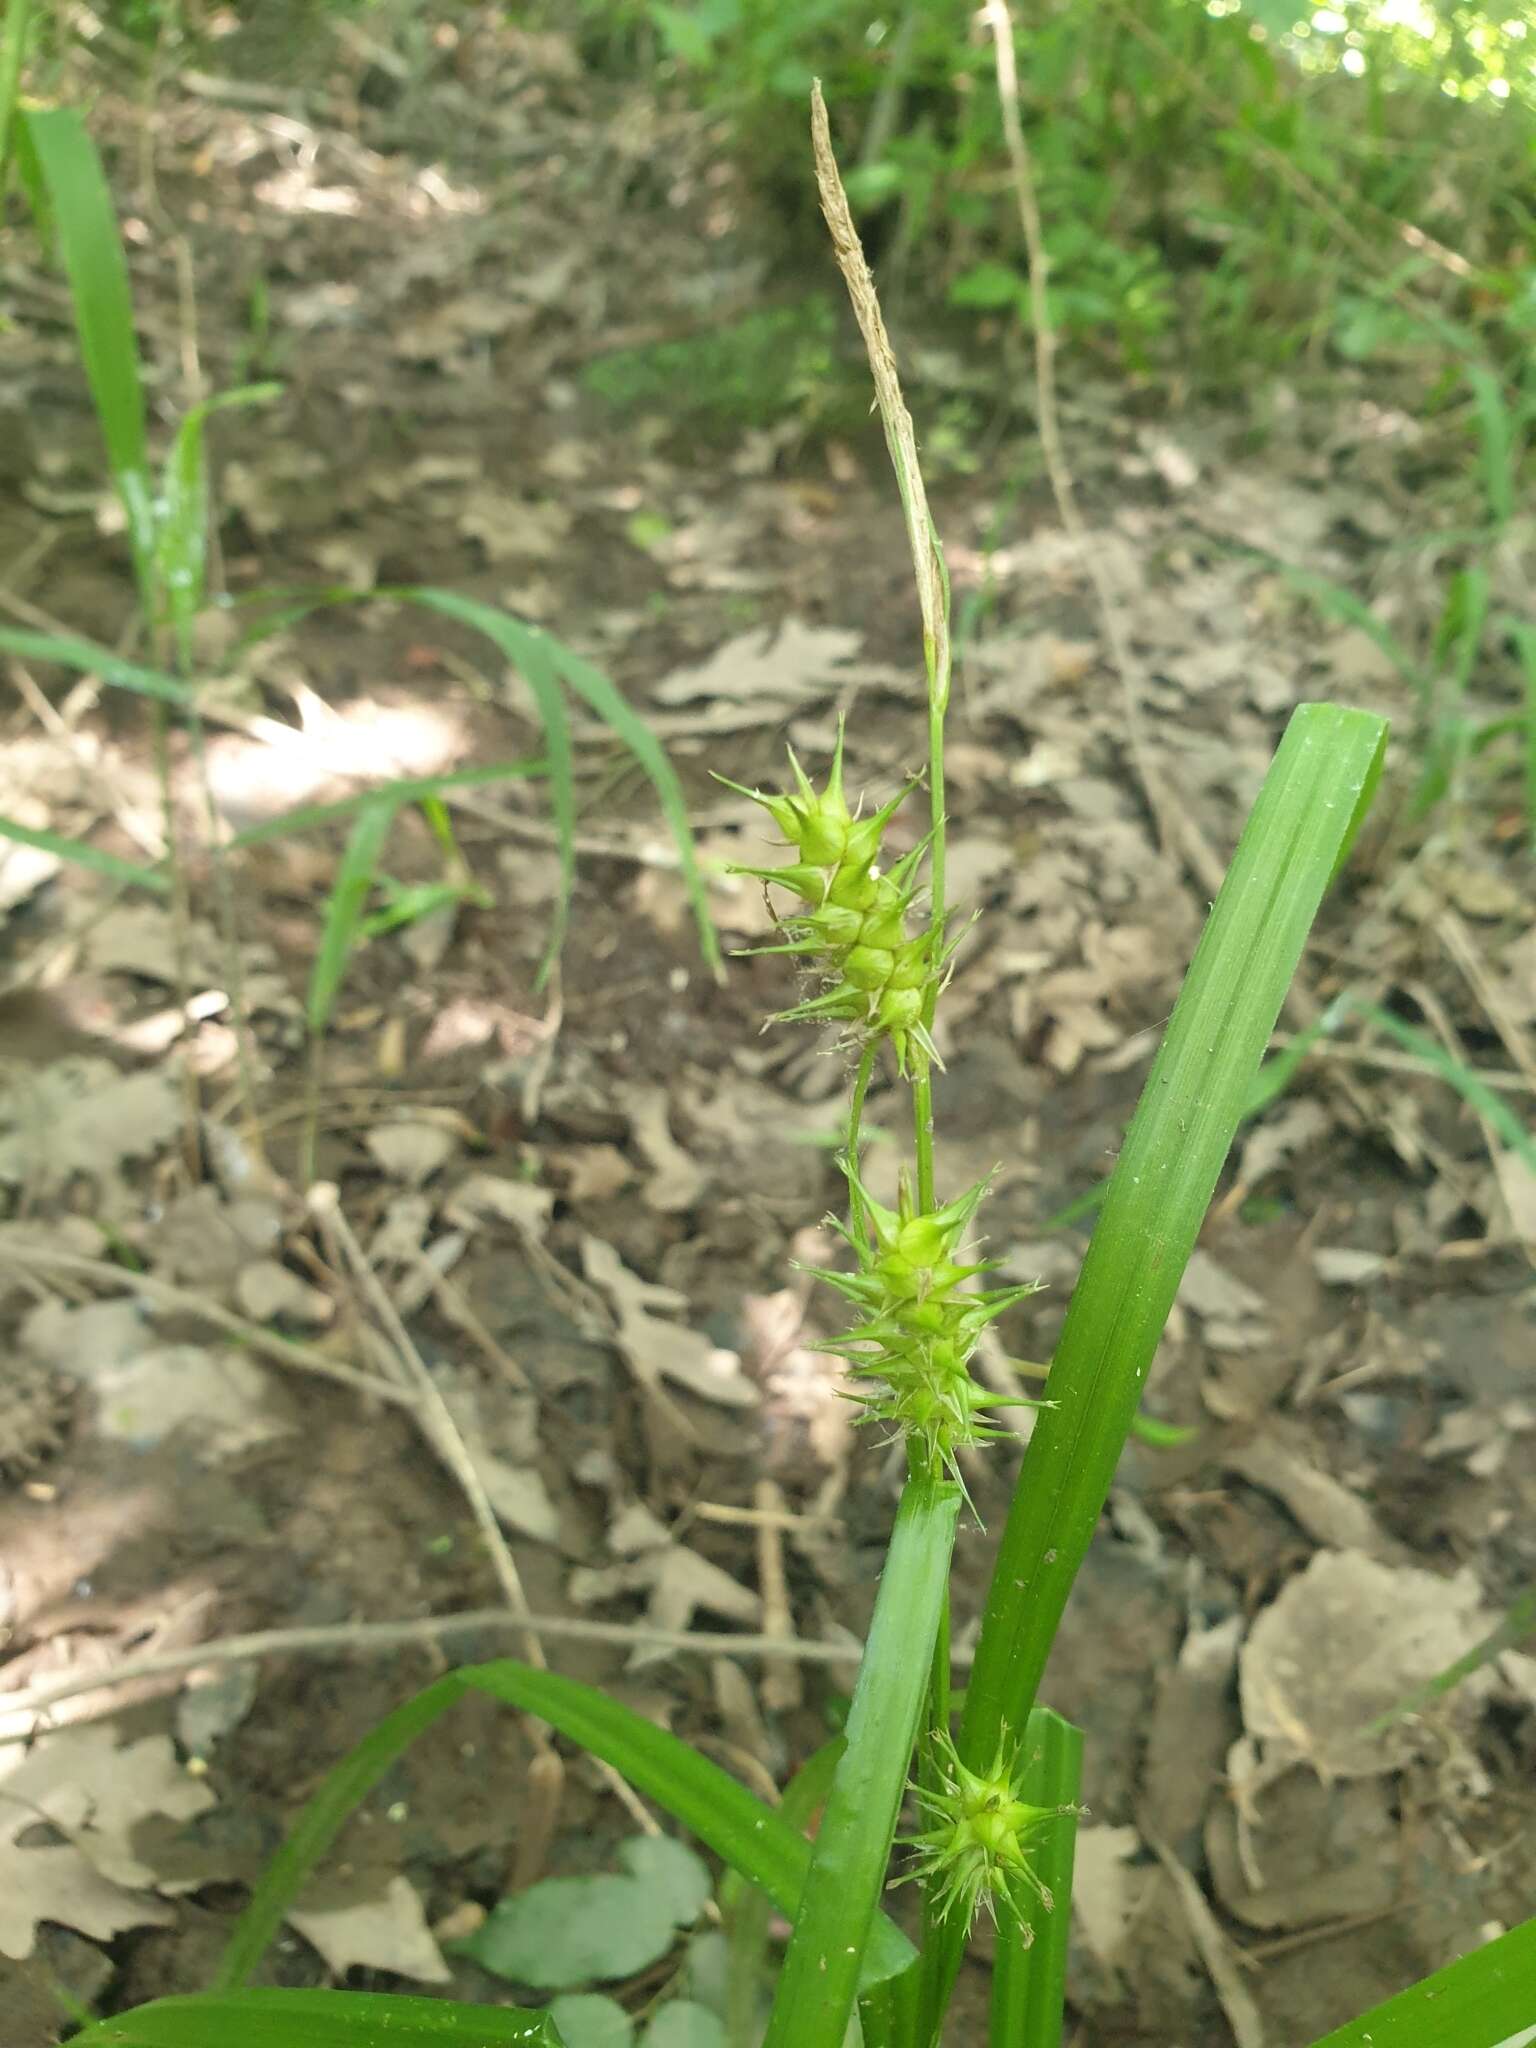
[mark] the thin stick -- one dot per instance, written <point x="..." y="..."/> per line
<point x="280" y="1350"/>
<point x="375" y="1638"/>
<point x="1176" y="830"/>
<point x="447" y="1440"/>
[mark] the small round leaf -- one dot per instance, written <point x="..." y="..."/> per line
<point x="575" y="1930"/>
<point x="671" y="1871"/>
<point x="586" y="2020"/>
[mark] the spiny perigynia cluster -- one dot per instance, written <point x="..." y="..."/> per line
<point x="921" y="1322"/>
<point x="854" y="926"/>
<point x="974" y="1846"/>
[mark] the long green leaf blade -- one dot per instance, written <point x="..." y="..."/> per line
<point x="532" y="654"/>
<point x="320" y="2019"/>
<point x="1483" y="2000"/>
<point x="83" y="855"/>
<point x="181" y="530"/>
<point x="349" y="896"/>
<point x="13" y="43"/>
<point x="1029" y="1977"/>
<point x="817" y="1986"/>
<point x="86" y="658"/>
<point x="406" y="790"/>
<point x="1301" y="823"/>
<point x="724" y="1815"/>
<point x="92" y="252"/>
<point x="606" y="700"/>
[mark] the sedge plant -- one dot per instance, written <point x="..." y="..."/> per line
<point x="992" y="1792"/>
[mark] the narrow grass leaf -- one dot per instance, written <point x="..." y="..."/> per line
<point x="1029" y="1977"/>
<point x="818" y="1983"/>
<point x="317" y="817"/>
<point x="1335" y="601"/>
<point x="1495" y="441"/>
<point x="181" y="527"/>
<point x="1194" y="1098"/>
<point x="321" y="2019"/>
<point x="615" y="711"/>
<point x="83" y="855"/>
<point x="1489" y="1105"/>
<point x="748" y="1910"/>
<point x="1518" y="1623"/>
<point x="349" y="895"/>
<point x="86" y="658"/>
<point x="749" y="1836"/>
<point x="1483" y="2000"/>
<point x="531" y="653"/>
<point x="1525" y="645"/>
<point x="91" y="248"/>
<point x="13" y="43"/>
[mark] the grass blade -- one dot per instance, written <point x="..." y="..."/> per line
<point x="408" y="789"/>
<point x="1495" y="441"/>
<point x="181" y="530"/>
<point x="1483" y="2000"/>
<point x="749" y="1836"/>
<point x="91" y="248"/>
<point x="816" y="1990"/>
<point x="1525" y="645"/>
<point x="1301" y="823"/>
<point x="84" y="855"/>
<point x="1487" y="1102"/>
<point x="1029" y="1978"/>
<point x="349" y="896"/>
<point x="1518" y="1623"/>
<point x="13" y="43"/>
<point x="531" y="653"/>
<point x="606" y="700"/>
<point x="321" y="2019"/>
<point x="87" y="659"/>
<point x="1336" y="601"/>
<point x="544" y="662"/>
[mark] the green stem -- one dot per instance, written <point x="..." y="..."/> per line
<point x="815" y="1995"/>
<point x="922" y="1085"/>
<point x="861" y="1081"/>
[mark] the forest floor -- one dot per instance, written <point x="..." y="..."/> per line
<point x="588" y="1202"/>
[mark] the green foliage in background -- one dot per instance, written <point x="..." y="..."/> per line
<point x="1224" y="186"/>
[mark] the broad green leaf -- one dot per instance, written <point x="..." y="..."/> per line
<point x="703" y="1798"/>
<point x="1483" y="2000"/>
<point x="814" y="1998"/>
<point x="682" y="2024"/>
<point x="343" y="915"/>
<point x="574" y="1930"/>
<point x="588" y="2020"/>
<point x="85" y="222"/>
<point x="84" y="855"/>
<point x="91" y="660"/>
<point x="989" y="286"/>
<point x="1196" y="1093"/>
<point x="320" y="2019"/>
